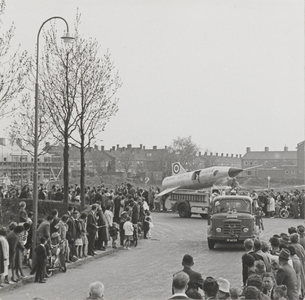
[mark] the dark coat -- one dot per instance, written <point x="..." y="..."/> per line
<point x="135" y="214"/>
<point x="43" y="231"/>
<point x="72" y="230"/>
<point x="91" y="222"/>
<point x="196" y="280"/>
<point x="41" y="253"/>
<point x="286" y="275"/>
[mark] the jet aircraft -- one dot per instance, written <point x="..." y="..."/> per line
<point x="198" y="179"/>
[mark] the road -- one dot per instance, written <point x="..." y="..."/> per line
<point x="145" y="272"/>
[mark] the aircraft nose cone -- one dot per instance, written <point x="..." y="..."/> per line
<point x="234" y="171"/>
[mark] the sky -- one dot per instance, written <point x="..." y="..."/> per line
<point x="228" y="73"/>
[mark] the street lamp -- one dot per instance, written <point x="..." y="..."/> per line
<point x="67" y="39"/>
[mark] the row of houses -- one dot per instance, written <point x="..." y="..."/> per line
<point x="153" y="164"/>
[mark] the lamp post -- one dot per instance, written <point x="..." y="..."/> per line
<point x="67" y="39"/>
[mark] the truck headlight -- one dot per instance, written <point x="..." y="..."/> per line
<point x="218" y="229"/>
<point x="246" y="229"/>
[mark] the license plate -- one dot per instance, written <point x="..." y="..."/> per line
<point x="231" y="240"/>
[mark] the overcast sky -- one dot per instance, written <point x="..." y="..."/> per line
<point x="228" y="73"/>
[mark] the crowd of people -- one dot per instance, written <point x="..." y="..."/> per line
<point x="271" y="202"/>
<point x="270" y="270"/>
<point x="120" y="216"/>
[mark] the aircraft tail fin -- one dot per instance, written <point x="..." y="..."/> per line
<point x="177" y="168"/>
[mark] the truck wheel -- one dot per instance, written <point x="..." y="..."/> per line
<point x="211" y="244"/>
<point x="183" y="210"/>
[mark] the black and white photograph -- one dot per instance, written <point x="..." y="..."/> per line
<point x="152" y="149"/>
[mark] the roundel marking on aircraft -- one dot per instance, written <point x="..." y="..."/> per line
<point x="215" y="172"/>
<point x="176" y="168"/>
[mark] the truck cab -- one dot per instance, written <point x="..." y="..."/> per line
<point x="231" y="220"/>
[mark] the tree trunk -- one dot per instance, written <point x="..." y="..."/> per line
<point x="66" y="171"/>
<point x="82" y="173"/>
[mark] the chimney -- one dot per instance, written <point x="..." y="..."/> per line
<point x="154" y="147"/>
<point x="205" y="153"/>
<point x="285" y="148"/>
<point x="236" y="155"/>
<point x="248" y="149"/>
<point x="141" y="146"/>
<point x="165" y="147"/>
<point x="129" y="146"/>
<point x="227" y="155"/>
<point x="199" y="153"/>
<point x="231" y="155"/>
<point x="239" y="155"/>
<point x="216" y="153"/>
<point x="96" y="147"/>
<point x="117" y="146"/>
<point x="113" y="148"/>
<point x="102" y="148"/>
<point x="211" y="153"/>
<point x="221" y="154"/>
<point x="266" y="149"/>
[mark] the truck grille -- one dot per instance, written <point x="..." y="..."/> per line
<point x="232" y="227"/>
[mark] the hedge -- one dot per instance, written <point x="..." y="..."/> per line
<point x="9" y="209"/>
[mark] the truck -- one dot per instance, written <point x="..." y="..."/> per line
<point x="231" y="219"/>
<point x="188" y="202"/>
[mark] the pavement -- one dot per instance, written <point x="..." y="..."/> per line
<point x="30" y="278"/>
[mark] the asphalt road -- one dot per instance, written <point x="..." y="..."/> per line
<point x="145" y="272"/>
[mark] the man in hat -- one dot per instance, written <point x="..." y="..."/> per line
<point x="286" y="275"/>
<point x="196" y="280"/>
<point x="179" y="285"/>
<point x="301" y="230"/>
<point x="224" y="288"/>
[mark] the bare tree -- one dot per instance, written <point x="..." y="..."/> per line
<point x="23" y="126"/>
<point x="185" y="150"/>
<point x="126" y="161"/>
<point x="96" y="84"/>
<point x="14" y="68"/>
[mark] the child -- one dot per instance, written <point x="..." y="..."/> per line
<point x="146" y="227"/>
<point x="151" y="225"/>
<point x="113" y="231"/>
<point x="259" y="218"/>
<point x="128" y="229"/>
<point x="41" y="260"/>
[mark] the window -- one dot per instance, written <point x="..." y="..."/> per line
<point x="90" y="163"/>
<point x="4" y="159"/>
<point x="249" y="173"/>
<point x="292" y="172"/>
<point x="246" y="162"/>
<point x="78" y="163"/>
<point x="255" y="163"/>
<point x="250" y="163"/>
<point x="286" y="172"/>
<point x="71" y="163"/>
<point x="148" y="154"/>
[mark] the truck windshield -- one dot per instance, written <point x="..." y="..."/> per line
<point x="232" y="205"/>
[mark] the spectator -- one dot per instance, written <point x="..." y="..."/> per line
<point x="62" y="230"/>
<point x="235" y="292"/>
<point x="253" y="293"/>
<point x="72" y="235"/>
<point x="193" y="294"/>
<point x="280" y="292"/>
<point x="128" y="229"/>
<point x="79" y="239"/>
<point x="103" y="233"/>
<point x="4" y="257"/>
<point x="297" y="266"/>
<point x="195" y="279"/>
<point x="247" y="259"/>
<point x="301" y="230"/>
<point x="286" y="275"/>
<point x="82" y="222"/>
<point x="268" y="284"/>
<point x="44" y="229"/>
<point x="41" y="259"/>
<point x="123" y="219"/>
<point x="91" y="229"/>
<point x="96" y="291"/>
<point x="260" y="255"/>
<point x="224" y="288"/>
<point x="255" y="280"/>
<point x="275" y="243"/>
<point x="55" y="220"/>
<point x="113" y="232"/>
<point x="179" y="285"/>
<point x="210" y="288"/>
<point x="23" y="216"/>
<point x="260" y="268"/>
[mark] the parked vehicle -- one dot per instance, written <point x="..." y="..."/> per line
<point x="286" y="212"/>
<point x="188" y="202"/>
<point x="231" y="220"/>
<point x="55" y="261"/>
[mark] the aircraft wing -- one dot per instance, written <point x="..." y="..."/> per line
<point x="166" y="191"/>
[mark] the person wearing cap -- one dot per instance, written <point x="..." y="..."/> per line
<point x="196" y="280"/>
<point x="286" y="275"/>
<point x="180" y="285"/>
<point x="301" y="230"/>
<point x="224" y="288"/>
